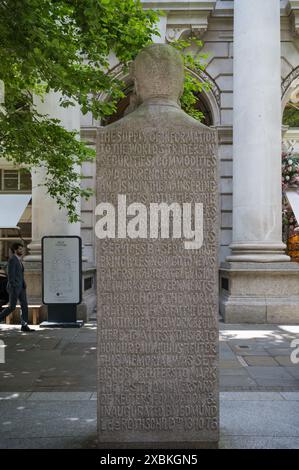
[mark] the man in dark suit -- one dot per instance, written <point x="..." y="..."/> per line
<point x="16" y="286"/>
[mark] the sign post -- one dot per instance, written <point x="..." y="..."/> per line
<point x="62" y="279"/>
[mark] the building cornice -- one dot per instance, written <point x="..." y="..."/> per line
<point x="224" y="9"/>
<point x="291" y="5"/>
<point x="292" y="10"/>
<point x="219" y="8"/>
<point x="179" y="14"/>
<point x="179" y="5"/>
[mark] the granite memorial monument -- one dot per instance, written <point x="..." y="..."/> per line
<point x="157" y="268"/>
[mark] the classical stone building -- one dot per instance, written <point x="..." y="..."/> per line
<point x="253" y="68"/>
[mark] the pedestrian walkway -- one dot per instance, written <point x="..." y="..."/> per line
<point x="48" y="387"/>
<point x="258" y="357"/>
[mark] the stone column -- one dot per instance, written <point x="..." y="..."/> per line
<point x="47" y="218"/>
<point x="258" y="284"/>
<point x="257" y="231"/>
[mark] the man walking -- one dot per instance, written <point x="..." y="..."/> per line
<point x="16" y="286"/>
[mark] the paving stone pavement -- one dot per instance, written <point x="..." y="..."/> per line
<point x="258" y="357"/>
<point x="48" y="387"/>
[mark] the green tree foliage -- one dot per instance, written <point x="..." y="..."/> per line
<point x="62" y="45"/>
<point x="291" y="116"/>
<point x="194" y="63"/>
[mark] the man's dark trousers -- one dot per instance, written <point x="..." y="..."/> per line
<point x="14" y="295"/>
<point x="16" y="288"/>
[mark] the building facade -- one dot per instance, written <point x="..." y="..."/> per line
<point x="253" y="69"/>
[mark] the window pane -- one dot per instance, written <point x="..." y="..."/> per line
<point x="10" y="180"/>
<point x="25" y="229"/>
<point x="25" y="180"/>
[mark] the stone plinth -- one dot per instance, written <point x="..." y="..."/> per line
<point x="260" y="292"/>
<point x="157" y="300"/>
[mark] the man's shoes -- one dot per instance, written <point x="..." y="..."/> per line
<point x="26" y="328"/>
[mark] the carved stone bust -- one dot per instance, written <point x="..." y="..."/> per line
<point x="158" y="72"/>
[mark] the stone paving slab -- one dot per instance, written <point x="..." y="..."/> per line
<point x="48" y="343"/>
<point x="58" y="380"/>
<point x="244" y="326"/>
<point x="233" y="381"/>
<point x="79" y="348"/>
<point x="285" y="361"/>
<point x="265" y="418"/>
<point x="251" y="396"/>
<point x="290" y="395"/>
<point x="235" y="371"/>
<point x="59" y="396"/>
<point x="17" y="382"/>
<point x="260" y="361"/>
<point x="229" y="364"/>
<point x="227" y="356"/>
<point x="278" y="382"/>
<point x="51" y="396"/>
<point x="248" y="351"/>
<point x="233" y="442"/>
<point x="277" y="342"/>
<point x="293" y="371"/>
<point x="60" y="442"/>
<point x="41" y="419"/>
<point x="268" y="372"/>
<point x="14" y="395"/>
<point x="278" y="351"/>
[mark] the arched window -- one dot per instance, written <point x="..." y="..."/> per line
<point x="122" y="107"/>
<point x="202" y="105"/>
<point x="124" y="103"/>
